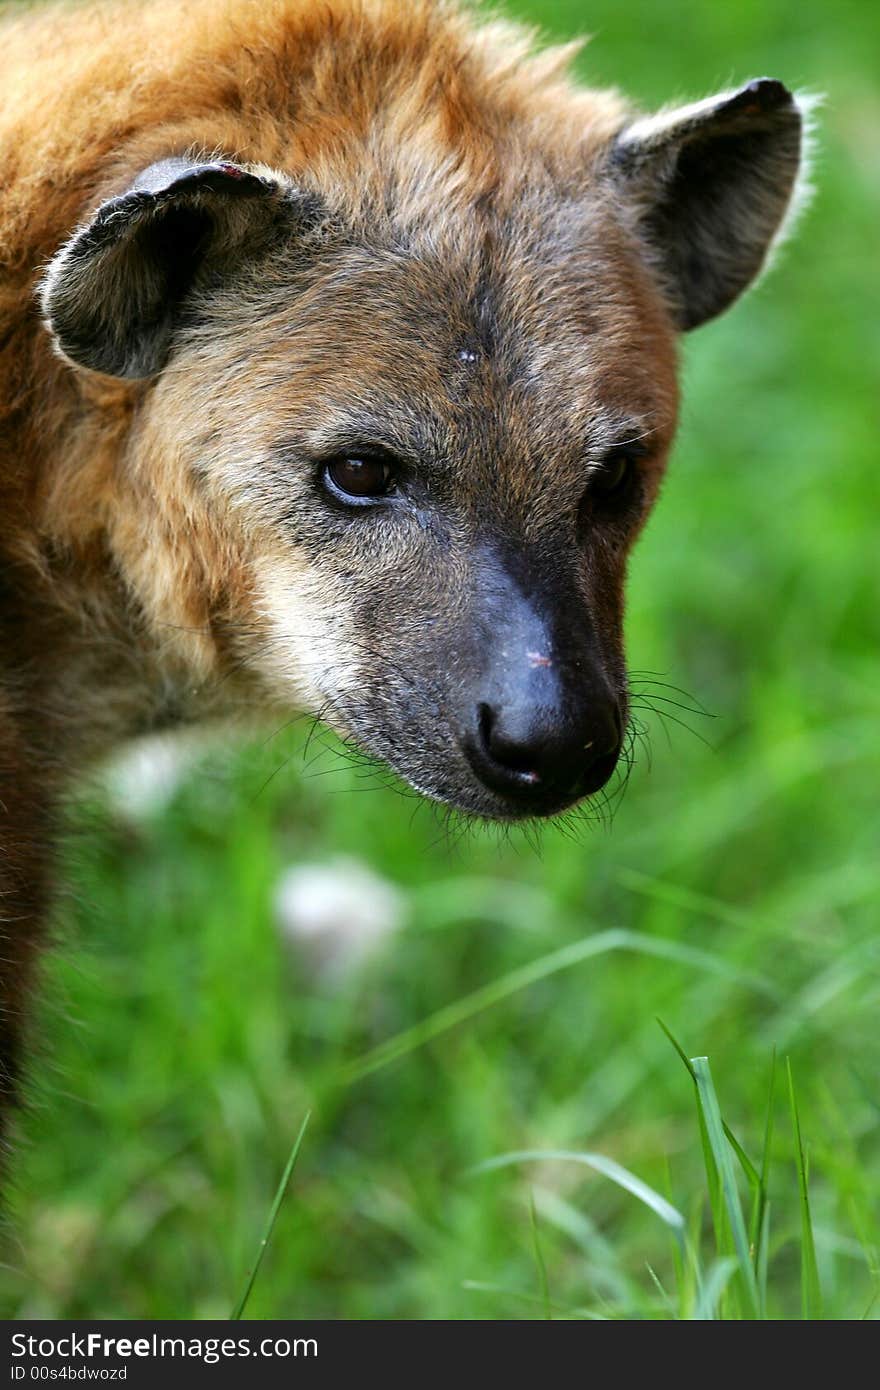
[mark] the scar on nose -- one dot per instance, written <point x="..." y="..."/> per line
<point x="536" y="659"/>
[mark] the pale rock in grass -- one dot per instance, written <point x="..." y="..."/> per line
<point x="335" y="915"/>
<point x="141" y="781"/>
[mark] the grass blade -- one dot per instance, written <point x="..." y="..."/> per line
<point x="723" y="1242"/>
<point x="272" y="1218"/>
<point x="757" y="1180"/>
<point x="481" y="1286"/>
<point x="600" y="1164"/>
<point x="679" y="1049"/>
<point x="664" y="1296"/>
<point x="714" y="1284"/>
<point x="722" y="1154"/>
<point x="762" y="1256"/>
<point x="596" y="944"/>
<point x="759" y="1225"/>
<point x="746" y="1163"/>
<point x="539" y="1260"/>
<point x="811" y="1290"/>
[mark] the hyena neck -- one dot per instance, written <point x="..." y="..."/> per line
<point x="27" y="834"/>
<point x="84" y="664"/>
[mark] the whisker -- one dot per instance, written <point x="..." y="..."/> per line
<point x="664" y="715"/>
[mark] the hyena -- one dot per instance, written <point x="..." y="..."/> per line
<point x="337" y="374"/>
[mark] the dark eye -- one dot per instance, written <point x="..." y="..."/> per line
<point x="360" y="478"/>
<point x="615" y="475"/>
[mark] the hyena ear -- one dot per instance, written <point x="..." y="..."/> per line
<point x="709" y="186"/>
<point x="114" y="293"/>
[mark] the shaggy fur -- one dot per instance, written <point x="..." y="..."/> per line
<point x="239" y="238"/>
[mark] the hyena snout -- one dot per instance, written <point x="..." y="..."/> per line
<point x="541" y="725"/>
<point x="543" y="755"/>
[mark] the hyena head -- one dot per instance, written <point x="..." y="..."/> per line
<point x="401" y="429"/>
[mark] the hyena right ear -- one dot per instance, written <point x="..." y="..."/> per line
<point x="113" y="295"/>
<point x="707" y="187"/>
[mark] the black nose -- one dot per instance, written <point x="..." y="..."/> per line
<point x="543" y="756"/>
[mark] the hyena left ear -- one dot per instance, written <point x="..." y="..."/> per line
<point x="114" y="293"/>
<point x="708" y="187"/>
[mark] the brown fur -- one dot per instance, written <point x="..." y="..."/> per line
<point x="477" y="279"/>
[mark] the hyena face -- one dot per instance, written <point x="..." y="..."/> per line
<point x="411" y="452"/>
<point x="451" y="477"/>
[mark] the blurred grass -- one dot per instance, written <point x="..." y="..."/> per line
<point x="182" y="1046"/>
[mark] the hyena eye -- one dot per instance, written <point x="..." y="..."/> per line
<point x="613" y="488"/>
<point x="359" y="478"/>
<point x="615" y="475"/>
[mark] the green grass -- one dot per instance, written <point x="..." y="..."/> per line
<point x="735" y="897"/>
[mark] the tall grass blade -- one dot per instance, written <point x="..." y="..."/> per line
<point x="871" y="1305"/>
<point x="272" y="1218"/>
<point x="664" y="1296"/>
<point x="759" y="1225"/>
<point x="811" y="1290"/>
<point x="722" y="1154"/>
<point x="600" y="1164"/>
<point x="687" y="1263"/>
<point x="746" y="1163"/>
<point x="714" y="1284"/>
<point x="539" y="1259"/>
<point x="762" y="1257"/>
<point x="596" y="944"/>
<point x="481" y="1286"/>
<point x="723" y="1241"/>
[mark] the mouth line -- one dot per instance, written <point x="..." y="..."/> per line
<point x="523" y="792"/>
<point x="472" y="794"/>
<point x="491" y="805"/>
<point x="536" y="806"/>
<point x="500" y="809"/>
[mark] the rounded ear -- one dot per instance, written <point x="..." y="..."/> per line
<point x="112" y="294"/>
<point x="708" y="187"/>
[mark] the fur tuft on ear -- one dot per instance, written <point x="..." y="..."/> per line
<point x="707" y="188"/>
<point x="112" y="294"/>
